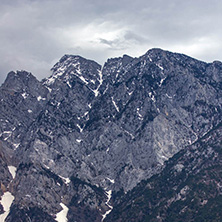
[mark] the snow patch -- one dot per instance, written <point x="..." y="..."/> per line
<point x="16" y="145"/>
<point x="60" y="71"/>
<point x="109" y="195"/>
<point x="6" y="202"/>
<point x="90" y="105"/>
<point x="112" y="181"/>
<point x="80" y="129"/>
<point x="47" y="167"/>
<point x="96" y="91"/>
<point x="160" y="67"/>
<point x="12" y="171"/>
<point x="58" y="104"/>
<point x="144" y="63"/>
<point x="9" y="133"/>
<point x="105" y="89"/>
<point x="83" y="79"/>
<point x="7" y="198"/>
<point x="68" y="83"/>
<point x="49" y="89"/>
<point x="86" y="113"/>
<point x="62" y="215"/>
<point x="152" y="97"/>
<point x="114" y="103"/>
<point x="25" y="95"/>
<point x="66" y="180"/>
<point x="140" y="116"/>
<point x="170" y="97"/>
<point x="161" y="81"/>
<point x="130" y="93"/>
<point x="39" y="98"/>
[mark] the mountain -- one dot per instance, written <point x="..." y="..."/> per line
<point x="74" y="144"/>
<point x="188" y="189"/>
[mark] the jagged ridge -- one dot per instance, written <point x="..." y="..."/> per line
<point x="109" y="127"/>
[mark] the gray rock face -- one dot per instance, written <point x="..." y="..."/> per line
<point x="187" y="189"/>
<point x="22" y="98"/>
<point x="87" y="129"/>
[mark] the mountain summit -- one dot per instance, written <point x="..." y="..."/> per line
<point x="74" y="143"/>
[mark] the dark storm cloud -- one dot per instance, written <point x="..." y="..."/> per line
<point x="35" y="34"/>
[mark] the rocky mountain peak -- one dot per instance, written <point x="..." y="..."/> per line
<point x="127" y="59"/>
<point x="88" y="132"/>
<point x="18" y="80"/>
<point x="156" y="55"/>
<point x="71" y="68"/>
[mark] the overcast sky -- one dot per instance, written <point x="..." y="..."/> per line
<point x="35" y="34"/>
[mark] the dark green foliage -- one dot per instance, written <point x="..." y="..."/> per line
<point x="33" y="214"/>
<point x="190" y="193"/>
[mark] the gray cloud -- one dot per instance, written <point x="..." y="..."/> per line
<point x="35" y="34"/>
<point x="107" y="42"/>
